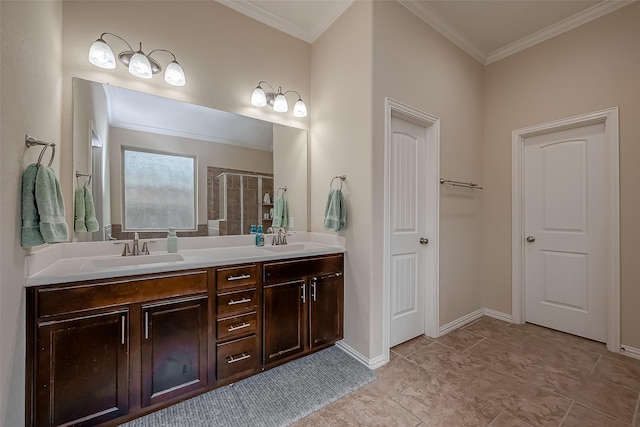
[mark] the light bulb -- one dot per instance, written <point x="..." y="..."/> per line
<point x="174" y="74"/>
<point x="140" y="66"/>
<point x="101" y="55"/>
<point x="258" y="97"/>
<point x="280" y="104"/>
<point x="300" y="109"/>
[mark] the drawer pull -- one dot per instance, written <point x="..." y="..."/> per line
<point x="240" y="277"/>
<point x="146" y="325"/>
<point x="240" y="301"/>
<point x="234" y="359"/>
<point x="235" y="328"/>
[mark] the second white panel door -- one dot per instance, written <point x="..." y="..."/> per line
<point x="565" y="199"/>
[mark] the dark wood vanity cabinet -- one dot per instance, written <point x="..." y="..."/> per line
<point x="82" y="372"/>
<point x="174" y="349"/>
<point x="302" y="306"/>
<point x="238" y="329"/>
<point x="106" y="351"/>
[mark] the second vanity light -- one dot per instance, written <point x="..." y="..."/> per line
<point x="277" y="100"/>
<point x="139" y="63"/>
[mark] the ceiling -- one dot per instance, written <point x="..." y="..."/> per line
<point x="488" y="30"/>
<point x="129" y="109"/>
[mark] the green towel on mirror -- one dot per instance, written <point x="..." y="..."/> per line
<point x="280" y="212"/>
<point x="79" y="225"/>
<point x="90" y="219"/>
<point x="30" y="233"/>
<point x="50" y="206"/>
<point x="335" y="212"/>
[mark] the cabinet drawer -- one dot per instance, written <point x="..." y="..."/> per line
<point x="292" y="270"/>
<point x="232" y="277"/>
<point x="236" y="302"/>
<point x="237" y="326"/>
<point x="237" y="356"/>
<point x="108" y="293"/>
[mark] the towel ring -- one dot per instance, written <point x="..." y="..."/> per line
<point x="284" y="190"/>
<point x="342" y="178"/>
<point x="31" y="141"/>
<point x="86" y="175"/>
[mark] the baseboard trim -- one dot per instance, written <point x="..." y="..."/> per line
<point x="464" y="320"/>
<point x="498" y="315"/>
<point x="374" y="363"/>
<point x="630" y="351"/>
<point x="460" y="322"/>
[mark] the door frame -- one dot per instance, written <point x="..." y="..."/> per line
<point x="610" y="119"/>
<point x="402" y="111"/>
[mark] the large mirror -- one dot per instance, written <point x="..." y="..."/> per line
<point x="156" y="163"/>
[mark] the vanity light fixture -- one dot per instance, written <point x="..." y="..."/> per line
<point x="277" y="100"/>
<point x="139" y="63"/>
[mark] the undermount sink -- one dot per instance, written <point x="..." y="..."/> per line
<point x="129" y="261"/>
<point x="286" y="248"/>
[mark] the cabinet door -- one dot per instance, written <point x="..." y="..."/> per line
<point x="284" y="320"/>
<point x="326" y="309"/>
<point x="174" y="349"/>
<point x="82" y="373"/>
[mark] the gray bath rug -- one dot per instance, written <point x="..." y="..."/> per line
<point x="277" y="397"/>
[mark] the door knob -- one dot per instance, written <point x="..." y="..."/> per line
<point x="531" y="239"/>
<point x="424" y="241"/>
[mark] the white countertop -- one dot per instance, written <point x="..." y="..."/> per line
<point x="72" y="262"/>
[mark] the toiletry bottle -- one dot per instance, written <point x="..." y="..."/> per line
<point x="259" y="236"/>
<point x="172" y="241"/>
<point x="253" y="229"/>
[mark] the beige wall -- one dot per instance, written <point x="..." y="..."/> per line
<point x="416" y="65"/>
<point x="208" y="154"/>
<point x="590" y="68"/>
<point x="30" y="97"/>
<point x="340" y="143"/>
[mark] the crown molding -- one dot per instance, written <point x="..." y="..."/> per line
<point x="556" y="29"/>
<point x="260" y="14"/>
<point x="437" y="21"/>
<point x="433" y="18"/>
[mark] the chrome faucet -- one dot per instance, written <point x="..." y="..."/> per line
<point x="280" y="238"/>
<point x="135" y="250"/>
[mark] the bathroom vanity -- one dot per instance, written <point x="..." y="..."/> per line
<point x="105" y="350"/>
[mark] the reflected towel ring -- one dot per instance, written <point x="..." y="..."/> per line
<point x="284" y="190"/>
<point x="86" y="175"/>
<point x="342" y="178"/>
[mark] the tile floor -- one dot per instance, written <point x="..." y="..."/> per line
<point x="492" y="373"/>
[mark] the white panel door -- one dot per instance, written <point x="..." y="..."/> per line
<point x="408" y="210"/>
<point x="565" y="196"/>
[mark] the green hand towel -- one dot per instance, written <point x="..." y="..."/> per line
<point x="50" y="206"/>
<point x="90" y="218"/>
<point x="79" y="225"/>
<point x="335" y="212"/>
<point x="30" y="234"/>
<point x="280" y="212"/>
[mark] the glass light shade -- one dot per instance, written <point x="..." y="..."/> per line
<point x="258" y="97"/>
<point x="299" y="109"/>
<point x="280" y="104"/>
<point x="101" y="55"/>
<point x="174" y="74"/>
<point x="140" y="66"/>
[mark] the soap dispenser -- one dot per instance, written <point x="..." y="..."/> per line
<point x="172" y="241"/>
<point x="259" y="236"/>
